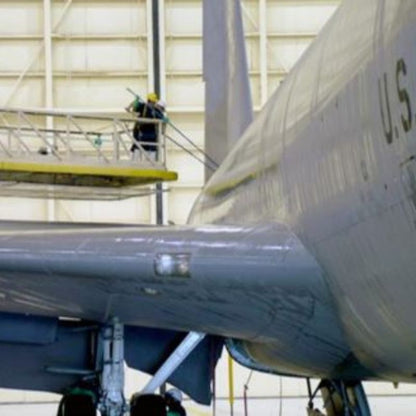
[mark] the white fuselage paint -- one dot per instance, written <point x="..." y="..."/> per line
<point x="333" y="156"/>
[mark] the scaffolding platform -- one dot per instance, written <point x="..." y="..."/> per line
<point x="51" y="154"/>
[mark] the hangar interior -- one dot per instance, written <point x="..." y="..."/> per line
<point x="80" y="56"/>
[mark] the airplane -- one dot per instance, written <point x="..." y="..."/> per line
<point x="298" y="254"/>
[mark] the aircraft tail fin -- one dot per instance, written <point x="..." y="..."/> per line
<point x="228" y="106"/>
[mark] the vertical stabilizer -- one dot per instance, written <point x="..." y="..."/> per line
<point x="228" y="107"/>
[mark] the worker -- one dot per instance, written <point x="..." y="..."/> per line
<point x="173" y="398"/>
<point x="145" y="132"/>
<point x="161" y="108"/>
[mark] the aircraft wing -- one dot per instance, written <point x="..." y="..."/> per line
<point x="220" y="280"/>
<point x="256" y="284"/>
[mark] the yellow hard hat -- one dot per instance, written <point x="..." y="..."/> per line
<point x="152" y="97"/>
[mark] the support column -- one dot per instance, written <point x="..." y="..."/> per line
<point x="263" y="51"/>
<point x="156" y="46"/>
<point x="47" y="37"/>
<point x="48" y="91"/>
<point x="157" y="89"/>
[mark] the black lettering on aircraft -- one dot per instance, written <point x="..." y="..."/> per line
<point x="403" y="94"/>
<point x="388" y="129"/>
<point x="385" y="105"/>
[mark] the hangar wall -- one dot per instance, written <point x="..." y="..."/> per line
<point x="80" y="55"/>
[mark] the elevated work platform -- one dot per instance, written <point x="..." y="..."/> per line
<point x="77" y="156"/>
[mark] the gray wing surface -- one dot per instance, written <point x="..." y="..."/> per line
<point x="230" y="283"/>
<point x="228" y="280"/>
<point x="256" y="284"/>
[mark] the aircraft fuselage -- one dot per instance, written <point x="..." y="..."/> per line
<point x="333" y="156"/>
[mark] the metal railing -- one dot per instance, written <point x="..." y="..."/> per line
<point x="79" y="138"/>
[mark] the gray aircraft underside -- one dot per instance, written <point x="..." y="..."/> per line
<point x="300" y="249"/>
